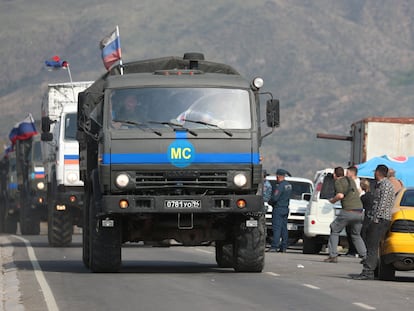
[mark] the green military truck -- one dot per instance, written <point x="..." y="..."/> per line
<point x="184" y="165"/>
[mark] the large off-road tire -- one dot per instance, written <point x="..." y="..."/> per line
<point x="105" y="242"/>
<point x="60" y="227"/>
<point x="86" y="233"/>
<point x="29" y="220"/>
<point x="249" y="246"/>
<point x="386" y="272"/>
<point x="224" y="254"/>
<point x="311" y="245"/>
<point x="2" y="215"/>
<point x="10" y="223"/>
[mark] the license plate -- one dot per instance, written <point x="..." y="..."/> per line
<point x="291" y="226"/>
<point x="182" y="204"/>
<point x="252" y="223"/>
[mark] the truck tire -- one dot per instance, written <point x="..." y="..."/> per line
<point x="105" y="243"/>
<point x="10" y="223"/>
<point x="29" y="221"/>
<point x="85" y="233"/>
<point x="311" y="245"/>
<point x="60" y="228"/>
<point x="224" y="254"/>
<point x="386" y="272"/>
<point x="249" y="246"/>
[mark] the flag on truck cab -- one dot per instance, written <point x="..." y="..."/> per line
<point x="23" y="130"/>
<point x="111" y="48"/>
<point x="55" y="63"/>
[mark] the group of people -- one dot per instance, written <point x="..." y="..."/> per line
<point x="366" y="216"/>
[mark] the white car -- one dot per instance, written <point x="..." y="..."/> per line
<point x="320" y="213"/>
<point x="302" y="189"/>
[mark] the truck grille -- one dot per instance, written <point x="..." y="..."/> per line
<point x="182" y="179"/>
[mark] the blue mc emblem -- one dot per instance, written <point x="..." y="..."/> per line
<point x="181" y="153"/>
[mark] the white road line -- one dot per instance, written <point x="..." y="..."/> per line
<point x="311" y="286"/>
<point x="272" y="274"/>
<point x="364" y="306"/>
<point x="47" y="292"/>
<point x="203" y="251"/>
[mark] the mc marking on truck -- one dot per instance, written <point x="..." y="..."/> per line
<point x="181" y="152"/>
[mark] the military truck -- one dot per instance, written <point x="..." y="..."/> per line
<point x="186" y="168"/>
<point x="60" y="153"/>
<point x="9" y="199"/>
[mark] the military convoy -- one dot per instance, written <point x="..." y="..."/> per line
<point x="185" y="168"/>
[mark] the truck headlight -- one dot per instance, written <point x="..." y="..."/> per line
<point x="122" y="180"/>
<point x="40" y="185"/>
<point x="240" y="180"/>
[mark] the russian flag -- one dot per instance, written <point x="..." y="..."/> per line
<point x="23" y="130"/>
<point x="55" y="63"/>
<point x="111" y="48"/>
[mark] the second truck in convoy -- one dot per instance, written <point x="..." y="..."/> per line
<point x="60" y="151"/>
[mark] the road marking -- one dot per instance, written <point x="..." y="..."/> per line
<point x="311" y="286"/>
<point x="47" y="292"/>
<point x="364" y="306"/>
<point x="272" y="274"/>
<point x="203" y="251"/>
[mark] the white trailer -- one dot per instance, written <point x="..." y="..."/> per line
<point x="60" y="151"/>
<point x="377" y="136"/>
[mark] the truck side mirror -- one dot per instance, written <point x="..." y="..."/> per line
<point x="46" y="124"/>
<point x="46" y="136"/>
<point x="272" y="113"/>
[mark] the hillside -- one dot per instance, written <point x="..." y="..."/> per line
<point x="330" y="62"/>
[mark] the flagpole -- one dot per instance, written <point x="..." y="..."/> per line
<point x="121" y="66"/>
<point x="71" y="82"/>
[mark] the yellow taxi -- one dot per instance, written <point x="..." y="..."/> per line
<point x="397" y="248"/>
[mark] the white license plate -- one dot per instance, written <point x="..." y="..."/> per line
<point x="182" y="204"/>
<point x="291" y="226"/>
<point x="251" y="223"/>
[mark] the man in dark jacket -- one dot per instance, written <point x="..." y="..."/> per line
<point x="280" y="202"/>
<point x="379" y="221"/>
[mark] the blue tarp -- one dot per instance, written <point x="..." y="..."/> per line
<point x="403" y="166"/>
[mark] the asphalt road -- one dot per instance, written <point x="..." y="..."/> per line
<point x="38" y="277"/>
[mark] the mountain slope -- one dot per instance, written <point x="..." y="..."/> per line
<point x="330" y="62"/>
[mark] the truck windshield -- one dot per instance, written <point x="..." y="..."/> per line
<point x="224" y="108"/>
<point x="70" y="126"/>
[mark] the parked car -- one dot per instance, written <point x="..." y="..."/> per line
<point x="397" y="248"/>
<point x="320" y="213"/>
<point x="302" y="189"/>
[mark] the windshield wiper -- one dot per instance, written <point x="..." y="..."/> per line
<point x="211" y="125"/>
<point x="140" y="125"/>
<point x="174" y="126"/>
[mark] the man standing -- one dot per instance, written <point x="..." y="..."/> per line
<point x="280" y="202"/>
<point x="380" y="221"/>
<point x="350" y="214"/>
<point x="352" y="172"/>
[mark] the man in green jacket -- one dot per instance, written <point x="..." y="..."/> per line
<point x="351" y="213"/>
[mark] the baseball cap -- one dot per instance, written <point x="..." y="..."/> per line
<point x="282" y="172"/>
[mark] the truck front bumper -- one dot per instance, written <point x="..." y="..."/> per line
<point x="182" y="204"/>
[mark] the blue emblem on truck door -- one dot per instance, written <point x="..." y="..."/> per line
<point x="181" y="152"/>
